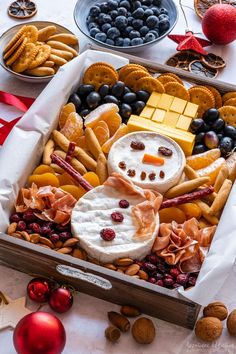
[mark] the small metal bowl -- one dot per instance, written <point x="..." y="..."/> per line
<point x="81" y="12"/>
<point x="6" y="37"/>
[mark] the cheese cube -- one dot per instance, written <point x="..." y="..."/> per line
<point x="158" y="115"/>
<point x="147" y="112"/>
<point x="183" y="122"/>
<point x="178" y="105"/>
<point x="171" y="118"/>
<point x="191" y="110"/>
<point x="154" y="99"/>
<point x="165" y="101"/>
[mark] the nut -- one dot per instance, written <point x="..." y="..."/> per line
<point x="17" y="235"/>
<point x="79" y="253"/>
<point x="143" y="330"/>
<point x="65" y="250"/>
<point x="70" y="242"/>
<point x="231" y="323"/>
<point x="34" y="238"/>
<point x="11" y="228"/>
<point x="46" y="241"/>
<point x="119" y="321"/>
<point x="25" y="235"/>
<point x="130" y="311"/>
<point x="208" y="329"/>
<point x="124" y="262"/>
<point x="42" y="245"/>
<point x="120" y="271"/>
<point x="132" y="269"/>
<point x="112" y="333"/>
<point x="58" y="244"/>
<point x="110" y="266"/>
<point x="216" y="309"/>
<point x="143" y="275"/>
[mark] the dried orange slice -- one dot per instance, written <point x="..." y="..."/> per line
<point x="113" y="121"/>
<point x="212" y="170"/>
<point x="168" y="215"/>
<point x="100" y="113"/>
<point x="102" y="132"/>
<point x="203" y="160"/>
<point x="191" y="210"/>
<point x="123" y="130"/>
<point x="43" y="169"/>
<point x="201" y="6"/>
<point x="92" y="178"/>
<point x="73" y="128"/>
<point x="65" y="112"/>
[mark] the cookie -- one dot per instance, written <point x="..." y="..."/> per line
<point x="57" y="60"/>
<point x="41" y="56"/>
<point x="46" y="32"/>
<point x="62" y="54"/>
<point x="133" y="77"/>
<point x="217" y="96"/>
<point x="228" y="113"/>
<point x="40" y="71"/>
<point x="26" y="57"/>
<point x="202" y="97"/>
<point x="14" y="39"/>
<point x="230" y="102"/>
<point x="17" y="53"/>
<point x="98" y="75"/>
<point x="127" y="69"/>
<point x="31" y="33"/>
<point x="177" y="90"/>
<point x="62" y="46"/>
<point x="150" y="84"/>
<point x="66" y="38"/>
<point x="165" y="79"/>
<point x="228" y="95"/>
<point x="13" y="48"/>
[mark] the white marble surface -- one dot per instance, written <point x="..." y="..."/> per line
<point x="86" y="321"/>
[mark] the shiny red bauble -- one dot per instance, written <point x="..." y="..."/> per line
<point x="39" y="333"/>
<point x="61" y="300"/>
<point x="39" y="289"/>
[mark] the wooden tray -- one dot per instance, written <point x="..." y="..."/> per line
<point x="98" y="281"/>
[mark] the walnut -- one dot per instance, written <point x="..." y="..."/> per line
<point x="143" y="330"/>
<point x="208" y="328"/>
<point x="216" y="309"/>
<point x="231" y="323"/>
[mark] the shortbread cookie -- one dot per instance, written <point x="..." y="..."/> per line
<point x="57" y="60"/>
<point x="133" y="77"/>
<point x="62" y="54"/>
<point x="228" y="113"/>
<point x="127" y="69"/>
<point x="31" y="33"/>
<point x="13" y="48"/>
<point x="166" y="78"/>
<point x="217" y="96"/>
<point x="98" y="75"/>
<point x="230" y="102"/>
<point x="228" y="95"/>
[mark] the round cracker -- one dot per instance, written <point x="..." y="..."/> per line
<point x="202" y="97"/>
<point x="14" y="47"/>
<point x="133" y="77"/>
<point x="177" y="90"/>
<point x="98" y="75"/>
<point x="17" y="53"/>
<point x="228" y="113"/>
<point x="175" y="77"/>
<point x="104" y="64"/>
<point x="165" y="79"/>
<point x="230" y="102"/>
<point x="14" y="39"/>
<point x="127" y="69"/>
<point x="217" y="96"/>
<point x="31" y="33"/>
<point x="228" y="95"/>
<point x="26" y="57"/>
<point x="150" y="84"/>
<point x="42" y="55"/>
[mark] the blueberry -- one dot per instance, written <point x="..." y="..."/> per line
<point x="84" y="90"/>
<point x="94" y="11"/>
<point x="137" y="24"/>
<point x="164" y="11"/>
<point x="93" y="32"/>
<point x="106" y="27"/>
<point x="119" y="41"/>
<point x="230" y="131"/>
<point x="90" y="19"/>
<point x="121" y="22"/>
<point x="125" y="4"/>
<point x="149" y="37"/>
<point x="104" y="7"/>
<point x="129" y="97"/>
<point x="113" y="32"/>
<point x="117" y="89"/>
<point x="199" y="148"/>
<point x="113" y="14"/>
<point x="136" y="41"/>
<point x="84" y="112"/>
<point x="152" y="21"/>
<point x="125" y="110"/>
<point x="112" y="4"/>
<point x="155" y="32"/>
<point x="211" y="115"/>
<point x="164" y="25"/>
<point x="226" y="145"/>
<point x="155" y="11"/>
<point x="134" y="34"/>
<point x="129" y="29"/>
<point x="139" y="13"/>
<point x="137" y="107"/>
<point x="122" y="11"/>
<point x="93" y="100"/>
<point x="136" y="5"/>
<point x="144" y="30"/>
<point x="218" y="125"/>
<point x="220" y="136"/>
<point x="107" y="19"/>
<point x="157" y="3"/>
<point x="147" y="2"/>
<point x="199" y="139"/>
<point x="148" y="13"/>
<point x="92" y="25"/>
<point x="101" y="19"/>
<point x="101" y="37"/>
<point x="110" y="41"/>
<point x="143" y="95"/>
<point x="163" y="17"/>
<point x="111" y="99"/>
<point x="126" y="42"/>
<point x="74" y="98"/>
<point x="144" y="7"/>
<point x="104" y="90"/>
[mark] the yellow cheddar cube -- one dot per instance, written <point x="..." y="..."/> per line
<point x="178" y="105"/>
<point x="147" y="112"/>
<point x="171" y="118"/>
<point x="191" y="110"/>
<point x="165" y="101"/>
<point x="154" y="99"/>
<point x="183" y="122"/>
<point x="158" y="115"/>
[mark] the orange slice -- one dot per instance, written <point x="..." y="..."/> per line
<point x="45" y="179"/>
<point x="100" y="113"/>
<point x="65" y="112"/>
<point x="73" y="128"/>
<point x="113" y="121"/>
<point x="203" y="160"/>
<point x="123" y="130"/>
<point x="102" y="132"/>
<point x="92" y="178"/>
<point x="212" y="170"/>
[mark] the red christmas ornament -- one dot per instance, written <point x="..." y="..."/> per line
<point x="39" y="333"/>
<point x="39" y="289"/>
<point x="190" y="42"/>
<point x="61" y="300"/>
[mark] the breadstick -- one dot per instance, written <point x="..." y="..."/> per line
<point x="221" y="197"/>
<point x="101" y="170"/>
<point x="48" y="150"/>
<point x="190" y="172"/>
<point x="92" y="143"/>
<point x="48" y="64"/>
<point x="186" y="187"/>
<point x="62" y="46"/>
<point x="213" y="220"/>
<point x="79" y="153"/>
<point x="46" y="32"/>
<point x="232" y="172"/>
<point x="57" y="60"/>
<point x="62" y="54"/>
<point x="66" y="38"/>
<point x="182" y="178"/>
<point x="78" y="166"/>
<point x="222" y="175"/>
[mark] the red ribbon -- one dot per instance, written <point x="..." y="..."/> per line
<point x="20" y="102"/>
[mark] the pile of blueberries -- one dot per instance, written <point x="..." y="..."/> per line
<point x="125" y="23"/>
<point x="87" y="99"/>
<point x="212" y="132"/>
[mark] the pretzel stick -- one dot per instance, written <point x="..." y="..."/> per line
<point x="48" y="150"/>
<point x="221" y="197"/>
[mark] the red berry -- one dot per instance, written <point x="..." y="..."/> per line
<point x="152" y="280"/>
<point x="124" y="204"/>
<point x="64" y="236"/>
<point x="117" y="216"/>
<point x="168" y="282"/>
<point x="182" y="279"/>
<point x="192" y="281"/>
<point x="29" y="216"/>
<point x="160" y="283"/>
<point x="15" y="218"/>
<point x="21" y="226"/>
<point x="54" y="238"/>
<point x="107" y="234"/>
<point x="174" y="272"/>
<point x="35" y="227"/>
<point x="152" y="258"/>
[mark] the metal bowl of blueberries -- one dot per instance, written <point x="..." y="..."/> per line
<point x="126" y="25"/>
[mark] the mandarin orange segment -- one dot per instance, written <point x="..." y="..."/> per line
<point x="76" y="191"/>
<point x="123" y="130"/>
<point x="45" y="179"/>
<point x="100" y="113"/>
<point x="65" y="179"/>
<point x="212" y="170"/>
<point x="204" y="159"/>
<point x="65" y="112"/>
<point x="191" y="210"/>
<point x="102" y="132"/>
<point x="168" y="215"/>
<point x="114" y="122"/>
<point x="43" y="169"/>
<point x="92" y="178"/>
<point x="73" y="128"/>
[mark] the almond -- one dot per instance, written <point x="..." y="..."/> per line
<point x="46" y="241"/>
<point x="65" y="250"/>
<point x="143" y="275"/>
<point x="17" y="235"/>
<point x="58" y="244"/>
<point x="25" y="235"/>
<point x="132" y="269"/>
<point x="70" y="242"/>
<point x="43" y="245"/>
<point x="79" y="253"/>
<point x="110" y="266"/>
<point x="124" y="262"/>
<point x="34" y="238"/>
<point x="11" y="228"/>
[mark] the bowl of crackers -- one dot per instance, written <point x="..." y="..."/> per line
<point x="34" y="52"/>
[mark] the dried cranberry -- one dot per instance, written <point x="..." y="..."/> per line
<point x="15" y="217"/>
<point x="143" y="176"/>
<point x="107" y="234"/>
<point x="35" y="228"/>
<point x="192" y="281"/>
<point x="21" y="226"/>
<point x="165" y="151"/>
<point x="54" y="238"/>
<point x="59" y="227"/>
<point x="161" y="268"/>
<point x="168" y="282"/>
<point x="160" y="282"/>
<point x="131" y="173"/>
<point x="162" y="174"/>
<point x="157" y="275"/>
<point x="152" y="280"/>
<point x="182" y="279"/>
<point x="29" y="216"/>
<point x="150" y="267"/>
<point x="152" y="176"/>
<point x="176" y="285"/>
<point x="152" y="258"/>
<point x="46" y="230"/>
<point x="167" y="275"/>
<point x="124" y="204"/>
<point x="64" y="236"/>
<point x="117" y="216"/>
<point x="122" y="165"/>
<point x="137" y="145"/>
<point x="174" y="272"/>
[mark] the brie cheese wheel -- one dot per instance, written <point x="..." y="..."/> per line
<point x="92" y="213"/>
<point x="124" y="159"/>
